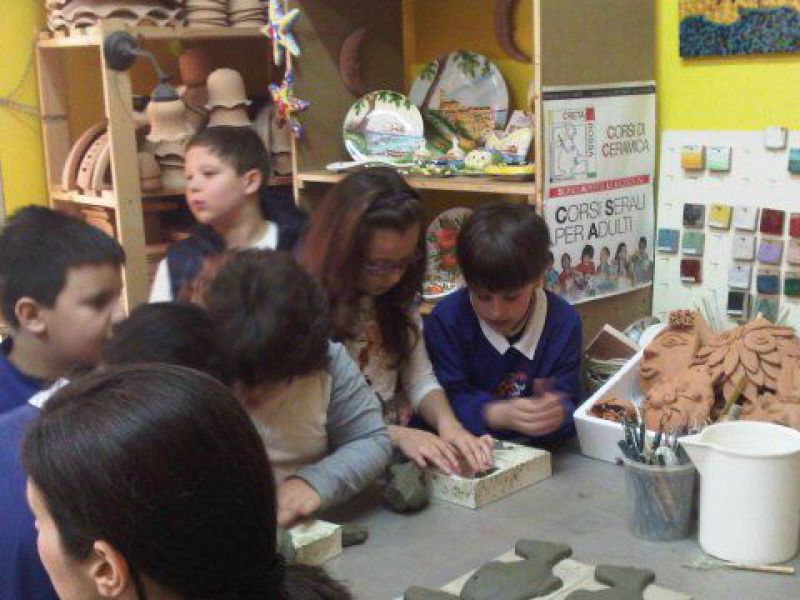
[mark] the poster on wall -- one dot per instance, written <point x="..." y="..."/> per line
<point x="598" y="188"/>
<point x="738" y="27"/>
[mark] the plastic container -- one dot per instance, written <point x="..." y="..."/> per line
<point x="659" y="500"/>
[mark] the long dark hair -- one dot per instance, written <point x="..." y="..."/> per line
<point x="163" y="463"/>
<point x="335" y="245"/>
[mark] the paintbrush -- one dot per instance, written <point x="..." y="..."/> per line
<point x="707" y="563"/>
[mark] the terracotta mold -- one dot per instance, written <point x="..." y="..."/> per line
<point x="168" y="121"/>
<point x="235" y="117"/>
<point x="226" y="89"/>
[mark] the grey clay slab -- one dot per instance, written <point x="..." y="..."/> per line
<point x="626" y="583"/>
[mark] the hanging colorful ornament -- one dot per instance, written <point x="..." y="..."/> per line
<point x="278" y="29"/>
<point x="287" y="105"/>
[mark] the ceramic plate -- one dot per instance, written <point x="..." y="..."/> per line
<point x="460" y="94"/>
<point x="383" y="126"/>
<point x="442" y="275"/>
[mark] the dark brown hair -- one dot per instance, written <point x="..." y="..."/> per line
<point x="503" y="247"/>
<point x="334" y="251"/>
<point x="270" y="316"/>
<point x="239" y="147"/>
<point x="163" y="463"/>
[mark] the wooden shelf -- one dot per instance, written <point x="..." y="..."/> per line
<point x="106" y="198"/>
<point x="92" y="36"/>
<point x="455" y="184"/>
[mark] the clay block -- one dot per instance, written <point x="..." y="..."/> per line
<point x="745" y="217"/>
<point x="691" y="270"/>
<point x="406" y="490"/>
<point x="517" y="467"/>
<point x="668" y="240"/>
<point x="694" y="215"/>
<point x="772" y="221"/>
<point x="316" y="542"/>
<point x="770" y="252"/>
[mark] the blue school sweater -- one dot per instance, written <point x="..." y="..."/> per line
<point x="475" y="365"/>
<point x="22" y="576"/>
<point x="15" y="386"/>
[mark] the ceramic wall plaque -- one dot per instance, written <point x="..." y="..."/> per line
<point x="791" y="284"/>
<point x="719" y="216"/>
<point x="691" y="270"/>
<point x="738" y="303"/>
<point x="739" y="276"/>
<point x="772" y="221"/>
<point x="768" y="281"/>
<point x="693" y="157"/>
<point x="794" y="225"/>
<point x="793" y="253"/>
<point x="718" y="158"/>
<point x="693" y="243"/>
<point x="694" y="215"/>
<point x="744" y="247"/>
<point x="770" y="251"/>
<point x="668" y="240"/>
<point x="794" y="161"/>
<point x="745" y="217"/>
<point x="768" y="305"/>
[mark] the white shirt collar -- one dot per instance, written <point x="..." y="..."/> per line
<point x="529" y="340"/>
<point x="270" y="239"/>
<point x="42" y="396"/>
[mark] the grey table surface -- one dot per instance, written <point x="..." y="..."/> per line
<point x="581" y="505"/>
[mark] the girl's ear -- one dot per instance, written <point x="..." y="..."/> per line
<point x="252" y="181"/>
<point x="108" y="569"/>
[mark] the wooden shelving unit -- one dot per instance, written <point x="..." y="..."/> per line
<point x="126" y="199"/>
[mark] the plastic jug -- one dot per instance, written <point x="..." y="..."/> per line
<point x="749" y="490"/>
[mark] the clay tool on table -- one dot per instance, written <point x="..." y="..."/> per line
<point x="707" y="563"/>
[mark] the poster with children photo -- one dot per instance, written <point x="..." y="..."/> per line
<point x="442" y="275"/>
<point x="599" y="143"/>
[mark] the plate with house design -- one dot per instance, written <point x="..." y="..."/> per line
<point x="461" y="94"/>
<point x="383" y="126"/>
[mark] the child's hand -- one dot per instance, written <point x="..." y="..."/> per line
<point x="425" y="448"/>
<point x="477" y="451"/>
<point x="296" y="500"/>
<point x="539" y="414"/>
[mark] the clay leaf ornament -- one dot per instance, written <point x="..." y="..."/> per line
<point x="350" y="62"/>
<point x="278" y="29"/>
<point x="519" y="580"/>
<point x="504" y="29"/>
<point x="625" y="583"/>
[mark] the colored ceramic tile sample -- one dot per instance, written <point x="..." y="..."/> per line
<point x="694" y="215"/>
<point x="793" y="253"/>
<point x="693" y="243"/>
<point x="794" y="225"/>
<point x="719" y="216"/>
<point x="770" y="252"/>
<point x="794" y="161"/>
<point x="718" y="158"/>
<point x="768" y="306"/>
<point x="745" y="217"/>
<point x="744" y="247"/>
<point x="768" y="281"/>
<point x="691" y="270"/>
<point x="668" y="240"/>
<point x="739" y="276"/>
<point x="791" y="284"/>
<point x="693" y="157"/>
<point x="772" y="221"/>
<point x="775" y="138"/>
<point x="738" y="303"/>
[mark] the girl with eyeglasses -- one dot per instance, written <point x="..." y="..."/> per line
<point x="366" y="245"/>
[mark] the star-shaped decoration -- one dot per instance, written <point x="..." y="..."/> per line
<point x="287" y="105"/>
<point x="278" y="29"/>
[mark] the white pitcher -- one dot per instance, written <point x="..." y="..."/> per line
<point x="749" y="490"/>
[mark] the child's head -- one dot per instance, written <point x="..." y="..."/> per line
<point x="60" y="282"/>
<point x="366" y="239"/>
<point x="587" y="254"/>
<point x="166" y="332"/>
<point x="566" y="261"/>
<point x="605" y="254"/>
<point x="270" y="316"/>
<point x="502" y="250"/>
<point x="622" y="252"/>
<point x="642" y="244"/>
<point x="225" y="167"/>
<point x="132" y="473"/>
<point x="550" y="260"/>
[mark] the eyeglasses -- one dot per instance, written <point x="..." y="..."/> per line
<point x="381" y="267"/>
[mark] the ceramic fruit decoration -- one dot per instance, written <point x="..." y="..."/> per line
<point x="443" y="274"/>
<point x="478" y="160"/>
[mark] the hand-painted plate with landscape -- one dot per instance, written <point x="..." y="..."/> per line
<point x="442" y="275"/>
<point x="460" y="94"/>
<point x="383" y="125"/>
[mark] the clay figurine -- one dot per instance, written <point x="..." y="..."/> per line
<point x="625" y="583"/>
<point x="405" y="490"/>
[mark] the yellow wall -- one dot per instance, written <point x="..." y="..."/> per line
<point x="20" y="133"/>
<point x="750" y="92"/>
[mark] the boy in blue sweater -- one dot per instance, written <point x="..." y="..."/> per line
<point x="506" y="351"/>
<point x="60" y="282"/>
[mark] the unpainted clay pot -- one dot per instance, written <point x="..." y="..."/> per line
<point x="226" y="89"/>
<point x="168" y="121"/>
<point x="194" y="65"/>
<point x="236" y="117"/>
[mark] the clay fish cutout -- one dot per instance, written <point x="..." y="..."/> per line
<point x="626" y="583"/>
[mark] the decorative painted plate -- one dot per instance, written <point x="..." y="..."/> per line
<point x="383" y="126"/>
<point x="443" y="275"/>
<point x="461" y="94"/>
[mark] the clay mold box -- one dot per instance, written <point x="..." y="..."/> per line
<point x="316" y="542"/>
<point x="576" y="576"/>
<point x="516" y="467"/>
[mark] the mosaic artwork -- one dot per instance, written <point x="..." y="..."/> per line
<point x="729" y="27"/>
